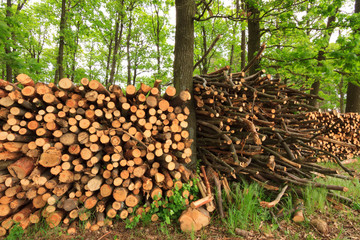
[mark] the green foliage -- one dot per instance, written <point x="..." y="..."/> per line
<point x="245" y="212"/>
<point x="167" y="208"/>
<point x="15" y="233"/>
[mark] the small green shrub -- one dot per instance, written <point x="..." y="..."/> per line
<point x="167" y="208"/>
<point x="15" y="233"/>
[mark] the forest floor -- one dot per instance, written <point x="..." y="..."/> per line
<point x="343" y="222"/>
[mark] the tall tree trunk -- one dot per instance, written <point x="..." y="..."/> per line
<point x="118" y="35"/>
<point x="353" y="98"/>
<point x="59" y="74"/>
<point x="108" y="61"/>
<point x="243" y="49"/>
<point x="204" y="63"/>
<point x="73" y="67"/>
<point x="135" y="73"/>
<point x="184" y="60"/>
<point x="315" y="87"/>
<point x="128" y="38"/>
<point x="353" y="90"/>
<point x="158" y="53"/>
<point x="231" y="61"/>
<point x="341" y="93"/>
<point x="253" y="35"/>
<point x="8" y="51"/>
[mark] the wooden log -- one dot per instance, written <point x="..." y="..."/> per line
<point x="95" y="183"/>
<point x="66" y="84"/>
<point x="5" y="156"/>
<point x="22" y="167"/>
<point x="194" y="219"/>
<point x="23" y="213"/>
<point x="120" y="194"/>
<point x="298" y="214"/>
<point x="55" y="218"/>
<point x="25" y="80"/>
<point x="50" y="158"/>
<point x="132" y="200"/>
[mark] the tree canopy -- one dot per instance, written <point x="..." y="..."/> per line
<point x="309" y="43"/>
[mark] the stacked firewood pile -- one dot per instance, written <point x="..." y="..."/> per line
<point x="69" y="149"/>
<point x="343" y="127"/>
<point x="259" y="127"/>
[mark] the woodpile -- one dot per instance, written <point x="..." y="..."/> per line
<point x="342" y="127"/>
<point x="69" y="151"/>
<point x="258" y="127"/>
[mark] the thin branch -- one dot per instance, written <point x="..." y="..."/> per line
<point x="208" y="51"/>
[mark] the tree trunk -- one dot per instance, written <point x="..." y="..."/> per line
<point x="353" y="90"/>
<point x="128" y="49"/>
<point x="108" y="61"/>
<point x="7" y="47"/>
<point x="184" y="60"/>
<point x="73" y="67"/>
<point x="118" y="35"/>
<point x="321" y="57"/>
<point x="231" y="61"/>
<point x="237" y="6"/>
<point x="253" y="35"/>
<point x="158" y="57"/>
<point x="353" y="98"/>
<point x="59" y="74"/>
<point x="341" y="93"/>
<point x="204" y="63"/>
<point x="315" y="88"/>
<point x="243" y="49"/>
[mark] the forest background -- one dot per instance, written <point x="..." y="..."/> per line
<point x="311" y="44"/>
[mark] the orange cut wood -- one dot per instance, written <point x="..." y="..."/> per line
<point x="22" y="167"/>
<point x="50" y="158"/>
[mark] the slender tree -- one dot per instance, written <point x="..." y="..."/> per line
<point x="353" y="89"/>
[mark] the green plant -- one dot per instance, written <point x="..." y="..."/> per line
<point x="164" y="229"/>
<point x="15" y="233"/>
<point x="245" y="211"/>
<point x="166" y="208"/>
<point x="314" y="199"/>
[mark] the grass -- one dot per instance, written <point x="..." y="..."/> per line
<point x="245" y="212"/>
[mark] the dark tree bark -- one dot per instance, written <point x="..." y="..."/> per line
<point x="341" y="93"/>
<point x="8" y="51"/>
<point x="204" y="63"/>
<point x="108" y="61"/>
<point x="243" y="43"/>
<point x="157" y="42"/>
<point x="254" y="35"/>
<point x="128" y="38"/>
<point x="231" y="62"/>
<point x="184" y="59"/>
<point x="353" y="90"/>
<point x="243" y="49"/>
<point x="353" y="98"/>
<point x="315" y="87"/>
<point x="118" y="35"/>
<point x="59" y="74"/>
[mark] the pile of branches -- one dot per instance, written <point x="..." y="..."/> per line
<point x="68" y="151"/>
<point x="259" y="127"/>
